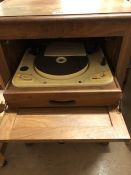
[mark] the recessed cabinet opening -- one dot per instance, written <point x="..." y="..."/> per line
<point x="62" y="72"/>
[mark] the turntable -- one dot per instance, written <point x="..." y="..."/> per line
<point x="62" y="64"/>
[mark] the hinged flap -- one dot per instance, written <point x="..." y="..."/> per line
<point x="77" y="124"/>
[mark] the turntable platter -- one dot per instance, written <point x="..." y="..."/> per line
<point x="62" y="60"/>
<point x="61" y="67"/>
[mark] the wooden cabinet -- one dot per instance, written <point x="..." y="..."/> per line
<point x="80" y="120"/>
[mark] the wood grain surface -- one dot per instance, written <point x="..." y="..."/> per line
<point x="81" y="124"/>
<point x="2" y="85"/>
<point x="62" y="7"/>
<point x="4" y="69"/>
<point x="108" y="95"/>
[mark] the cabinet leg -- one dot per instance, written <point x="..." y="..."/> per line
<point x="2" y="160"/>
<point x="128" y="142"/>
<point x="2" y="157"/>
<point x="104" y="143"/>
<point x="29" y="144"/>
<point x="61" y="142"/>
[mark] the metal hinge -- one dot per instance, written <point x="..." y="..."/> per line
<point x="119" y="107"/>
<point x="3" y="105"/>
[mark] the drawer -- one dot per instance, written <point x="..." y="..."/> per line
<point x="64" y="124"/>
<point x="107" y="95"/>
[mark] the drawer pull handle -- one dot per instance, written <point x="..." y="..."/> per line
<point x="58" y="102"/>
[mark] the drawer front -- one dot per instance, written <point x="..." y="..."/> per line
<point x="64" y="124"/>
<point x="94" y="98"/>
<point x="108" y="95"/>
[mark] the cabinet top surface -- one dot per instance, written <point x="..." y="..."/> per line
<point x="63" y="7"/>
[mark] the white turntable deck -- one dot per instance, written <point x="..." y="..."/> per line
<point x="93" y="75"/>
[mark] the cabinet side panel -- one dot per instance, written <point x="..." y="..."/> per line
<point x="4" y="69"/>
<point x="13" y="50"/>
<point x="124" y="58"/>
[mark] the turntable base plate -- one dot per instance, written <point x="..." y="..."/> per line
<point x="95" y="75"/>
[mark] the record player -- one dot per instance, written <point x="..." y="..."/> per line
<point x="62" y="64"/>
<point x="63" y="73"/>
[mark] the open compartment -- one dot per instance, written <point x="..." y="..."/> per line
<point x="103" y="123"/>
<point x="94" y="92"/>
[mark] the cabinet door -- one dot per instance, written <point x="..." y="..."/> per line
<point x="64" y="124"/>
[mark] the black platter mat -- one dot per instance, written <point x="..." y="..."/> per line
<point x="49" y="65"/>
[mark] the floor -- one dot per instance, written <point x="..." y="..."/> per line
<point x="72" y="158"/>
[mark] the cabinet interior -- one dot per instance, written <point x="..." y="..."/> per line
<point x="95" y="119"/>
<point x="14" y="51"/>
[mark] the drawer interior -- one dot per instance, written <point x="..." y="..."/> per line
<point x="64" y="124"/>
